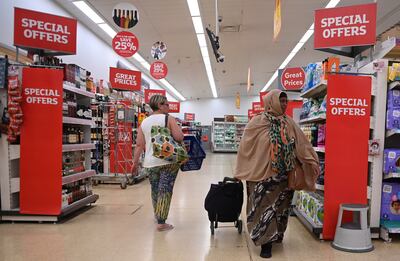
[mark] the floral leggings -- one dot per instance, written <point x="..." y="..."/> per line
<point x="162" y="180"/>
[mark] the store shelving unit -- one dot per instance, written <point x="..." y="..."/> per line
<point x="377" y="123"/>
<point x="226" y="136"/>
<point x="9" y="163"/>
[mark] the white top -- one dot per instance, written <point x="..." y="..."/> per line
<point x="149" y="160"/>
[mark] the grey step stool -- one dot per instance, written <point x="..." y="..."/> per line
<point x="356" y="235"/>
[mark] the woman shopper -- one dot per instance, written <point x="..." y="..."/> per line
<point x="271" y="146"/>
<point x="161" y="173"/>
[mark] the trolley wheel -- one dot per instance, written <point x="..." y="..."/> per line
<point x="240" y="226"/>
<point x="123" y="185"/>
<point x="212" y="227"/>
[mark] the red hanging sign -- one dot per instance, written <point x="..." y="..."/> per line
<point x="293" y="78"/>
<point x="126" y="80"/>
<point x="174" y="107"/>
<point x="125" y="44"/>
<point x="158" y="70"/>
<point x="293" y="105"/>
<point x="148" y="93"/>
<point x="41" y="146"/>
<point x="257" y="107"/>
<point x="262" y="95"/>
<point x="189" y="116"/>
<point x="345" y="26"/>
<point x="251" y="114"/>
<point x="347" y="135"/>
<point x="39" y="30"/>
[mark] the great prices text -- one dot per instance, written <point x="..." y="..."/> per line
<point x="45" y="31"/>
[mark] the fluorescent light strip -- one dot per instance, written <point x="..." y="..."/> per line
<point x="172" y="89"/>
<point x="87" y="10"/>
<point x="201" y="39"/>
<point x="106" y="28"/>
<point x="298" y="46"/>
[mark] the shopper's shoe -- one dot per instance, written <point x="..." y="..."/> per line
<point x="164" y="227"/>
<point x="266" y="250"/>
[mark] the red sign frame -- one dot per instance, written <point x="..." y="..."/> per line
<point x="125" y="44"/>
<point x="348" y="123"/>
<point x="158" y="70"/>
<point x="38" y="30"/>
<point x="149" y="92"/>
<point x="126" y="80"/>
<point x="174" y="107"/>
<point x="345" y="26"/>
<point x="189" y="116"/>
<point x="257" y="107"/>
<point x="41" y="146"/>
<point x="250" y="114"/>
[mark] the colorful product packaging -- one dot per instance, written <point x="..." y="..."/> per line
<point x="390" y="207"/>
<point x="391" y="161"/>
<point x="393" y="99"/>
<point x="393" y="119"/>
<point x="321" y="135"/>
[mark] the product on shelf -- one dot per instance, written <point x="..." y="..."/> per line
<point x="14" y="105"/>
<point x="73" y="162"/>
<point x="394" y="72"/>
<point x="393" y="99"/>
<point x="393" y="118"/>
<point x="390" y="207"/>
<point x="75" y="191"/>
<point x="311" y="132"/>
<point x="391" y="161"/>
<point x="321" y="135"/>
<point x="321" y="177"/>
<point x="72" y="135"/>
<point x="322" y="108"/>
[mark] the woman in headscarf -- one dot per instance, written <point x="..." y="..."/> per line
<point x="271" y="147"/>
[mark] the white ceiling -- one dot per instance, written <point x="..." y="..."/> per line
<point x="170" y="21"/>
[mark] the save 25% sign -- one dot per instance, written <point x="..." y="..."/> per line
<point x="125" y="44"/>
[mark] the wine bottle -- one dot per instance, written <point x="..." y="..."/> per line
<point x="135" y="18"/>
<point x="115" y="17"/>
<point x="127" y="20"/>
<point x="122" y="21"/>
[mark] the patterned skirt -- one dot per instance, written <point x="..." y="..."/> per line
<point x="268" y="205"/>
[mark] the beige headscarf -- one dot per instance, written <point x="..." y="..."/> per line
<point x="254" y="160"/>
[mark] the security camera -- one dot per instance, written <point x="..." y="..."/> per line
<point x="220" y="19"/>
<point x="221" y="58"/>
<point x="214" y="40"/>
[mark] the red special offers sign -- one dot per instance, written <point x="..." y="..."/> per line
<point x="257" y="107"/>
<point x="148" y="93"/>
<point x="126" y="80"/>
<point x="158" y="70"/>
<point x="125" y="44"/>
<point x="293" y="78"/>
<point x="39" y="30"/>
<point x="174" y="107"/>
<point x="189" y="116"/>
<point x="345" y="26"/>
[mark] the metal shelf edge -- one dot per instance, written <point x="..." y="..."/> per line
<point x="71" y="120"/>
<point x="79" y="204"/>
<point x="391" y="175"/>
<point x="79" y="91"/>
<point x="320" y="187"/>
<point x="78" y="176"/>
<point x="306" y="222"/>
<point x="76" y="147"/>
<point x="317" y="89"/>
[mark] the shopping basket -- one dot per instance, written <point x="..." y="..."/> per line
<point x="195" y="152"/>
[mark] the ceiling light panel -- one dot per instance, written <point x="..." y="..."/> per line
<point x="106" y="28"/>
<point x="193" y="7"/>
<point x="198" y="25"/>
<point x="87" y="10"/>
<point x="201" y="38"/>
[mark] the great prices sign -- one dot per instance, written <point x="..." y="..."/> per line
<point x="126" y="80"/>
<point x="148" y="93"/>
<point x="39" y="30"/>
<point x="174" y="107"/>
<point x="345" y="26"/>
<point x="189" y="116"/>
<point x="125" y="44"/>
<point x="292" y="79"/>
<point x="257" y="107"/>
<point x="158" y="70"/>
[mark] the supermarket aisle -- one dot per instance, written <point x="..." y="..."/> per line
<point x="121" y="228"/>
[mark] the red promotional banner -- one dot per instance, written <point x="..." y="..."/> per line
<point x="257" y="107"/>
<point x="125" y="44"/>
<point x="126" y="80"/>
<point x="262" y="94"/>
<point x="158" y="70"/>
<point x="345" y="26"/>
<point x="293" y="105"/>
<point x="174" y="107"/>
<point x="41" y="146"/>
<point x="293" y="78"/>
<point x="189" y="116"/>
<point x="347" y="135"/>
<point x="251" y="114"/>
<point x="39" y="30"/>
<point x="148" y="93"/>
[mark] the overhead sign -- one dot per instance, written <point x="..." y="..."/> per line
<point x="125" y="15"/>
<point x="158" y="70"/>
<point x="189" y="116"/>
<point x="37" y="30"/>
<point x="345" y="26"/>
<point x="257" y="107"/>
<point x="292" y="79"/>
<point x="347" y="122"/>
<point x="125" y="44"/>
<point x="262" y="95"/>
<point x="158" y="50"/>
<point x="174" y="107"/>
<point x="251" y="114"/>
<point x="148" y="93"/>
<point x="42" y="93"/>
<point x="126" y="80"/>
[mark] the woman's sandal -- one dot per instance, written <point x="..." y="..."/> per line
<point x="164" y="227"/>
